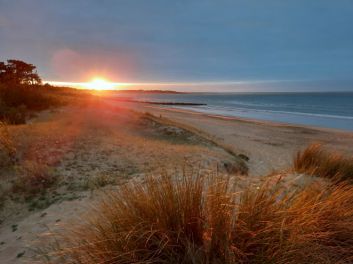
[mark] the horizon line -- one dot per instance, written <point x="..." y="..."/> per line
<point x="83" y="85"/>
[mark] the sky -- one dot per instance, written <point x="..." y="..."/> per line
<point x="228" y="43"/>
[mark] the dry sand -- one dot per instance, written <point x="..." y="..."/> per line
<point x="89" y="150"/>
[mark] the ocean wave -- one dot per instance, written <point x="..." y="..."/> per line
<point x="261" y="105"/>
<point x="211" y="109"/>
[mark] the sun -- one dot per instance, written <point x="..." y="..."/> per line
<point x="100" y="84"/>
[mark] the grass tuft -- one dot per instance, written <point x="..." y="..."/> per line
<point x="317" y="161"/>
<point x="33" y="178"/>
<point x="202" y="219"/>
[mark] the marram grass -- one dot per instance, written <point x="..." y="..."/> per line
<point x="317" y="161"/>
<point x="203" y="219"/>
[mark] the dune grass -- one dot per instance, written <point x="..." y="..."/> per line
<point x="317" y="161"/>
<point x="7" y="147"/>
<point x="33" y="178"/>
<point x="203" y="219"/>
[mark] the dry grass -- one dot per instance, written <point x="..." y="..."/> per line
<point x="317" y="161"/>
<point x="201" y="219"/>
<point x="33" y="178"/>
<point x="7" y="148"/>
<point x="100" y="180"/>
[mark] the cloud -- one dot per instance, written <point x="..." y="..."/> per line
<point x="4" y="22"/>
<point x="184" y="40"/>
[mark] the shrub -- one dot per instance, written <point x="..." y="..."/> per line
<point x="14" y="115"/>
<point x="18" y="101"/>
<point x="21" y="92"/>
<point x="317" y="161"/>
<point x="34" y="97"/>
<point x="197" y="219"/>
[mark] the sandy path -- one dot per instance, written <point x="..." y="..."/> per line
<point x="270" y="146"/>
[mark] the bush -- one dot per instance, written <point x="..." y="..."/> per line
<point x="17" y="101"/>
<point x="197" y="219"/>
<point x="13" y="115"/>
<point x="21" y="92"/>
<point x="317" y="161"/>
<point x="34" y="97"/>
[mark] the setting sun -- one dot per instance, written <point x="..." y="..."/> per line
<point x="100" y="84"/>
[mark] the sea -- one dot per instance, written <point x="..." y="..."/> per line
<point x="318" y="109"/>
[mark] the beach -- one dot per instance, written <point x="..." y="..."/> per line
<point x="86" y="151"/>
<point x="95" y="147"/>
<point x="270" y="146"/>
<point x="317" y="109"/>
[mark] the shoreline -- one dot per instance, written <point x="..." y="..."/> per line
<point x="260" y="121"/>
<point x="321" y="111"/>
<point x="270" y="145"/>
<point x="128" y="100"/>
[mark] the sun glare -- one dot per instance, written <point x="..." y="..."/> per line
<point x="100" y="84"/>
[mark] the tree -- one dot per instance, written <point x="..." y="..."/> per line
<point x="18" y="72"/>
<point x="2" y="69"/>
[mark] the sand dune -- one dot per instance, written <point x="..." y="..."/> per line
<point x="87" y="150"/>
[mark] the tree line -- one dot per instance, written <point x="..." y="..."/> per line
<point x="19" y="72"/>
<point x="22" y="91"/>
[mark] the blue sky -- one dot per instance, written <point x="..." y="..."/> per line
<point x="181" y="40"/>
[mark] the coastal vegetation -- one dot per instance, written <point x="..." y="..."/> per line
<point x="77" y="152"/>
<point x="22" y="93"/>
<point x="315" y="160"/>
<point x="7" y="148"/>
<point x="206" y="218"/>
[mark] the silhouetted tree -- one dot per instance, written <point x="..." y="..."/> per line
<point x="2" y="71"/>
<point x="18" y="72"/>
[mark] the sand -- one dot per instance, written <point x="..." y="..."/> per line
<point x="97" y="147"/>
<point x="89" y="150"/>
<point x="270" y="146"/>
